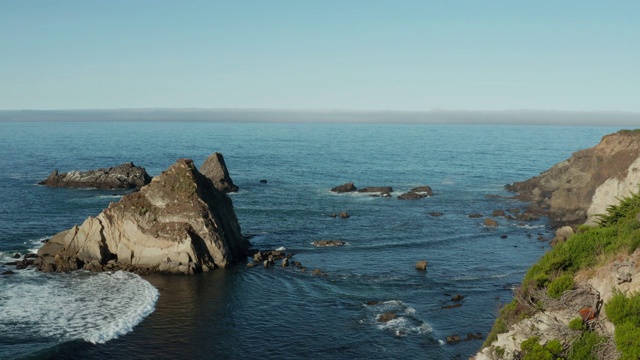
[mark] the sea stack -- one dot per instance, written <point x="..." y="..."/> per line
<point x="124" y="176"/>
<point x="179" y="223"/>
<point x="576" y="190"/>
<point x="216" y="170"/>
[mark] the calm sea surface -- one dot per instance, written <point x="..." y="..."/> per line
<point x="282" y="313"/>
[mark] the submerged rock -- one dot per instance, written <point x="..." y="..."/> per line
<point x="124" y="176"/>
<point x="384" y="191"/>
<point x="179" y="223"/>
<point x="321" y="243"/>
<point x="215" y="169"/>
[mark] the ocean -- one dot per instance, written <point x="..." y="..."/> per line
<point x="279" y="312"/>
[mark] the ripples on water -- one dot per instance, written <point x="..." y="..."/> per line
<point x="276" y="313"/>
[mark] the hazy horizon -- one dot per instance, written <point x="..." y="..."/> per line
<point x="515" y="117"/>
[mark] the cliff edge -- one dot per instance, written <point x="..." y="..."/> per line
<point x="178" y="223"/>
<point x="581" y="300"/>
<point x="574" y="191"/>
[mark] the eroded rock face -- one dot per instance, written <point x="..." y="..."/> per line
<point x="124" y="176"/>
<point x="574" y="191"/>
<point x="215" y="169"/>
<point x="179" y="223"/>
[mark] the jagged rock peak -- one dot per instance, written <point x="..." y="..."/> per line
<point x="215" y="169"/>
<point x="123" y="176"/>
<point x="576" y="190"/>
<point x="179" y="223"/>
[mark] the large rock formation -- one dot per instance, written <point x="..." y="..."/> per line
<point x="574" y="191"/>
<point x="179" y="223"/>
<point x="216" y="170"/>
<point x="124" y="176"/>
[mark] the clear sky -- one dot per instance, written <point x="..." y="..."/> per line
<point x="303" y="54"/>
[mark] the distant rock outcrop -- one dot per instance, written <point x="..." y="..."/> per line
<point x="384" y="191"/>
<point x="216" y="170"/>
<point x="124" y="176"/>
<point x="574" y="191"/>
<point x="179" y="223"/>
<point x="417" y="193"/>
<point x="348" y="187"/>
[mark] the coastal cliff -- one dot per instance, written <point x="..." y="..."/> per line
<point x="581" y="299"/>
<point x="178" y="223"/>
<point x="576" y="190"/>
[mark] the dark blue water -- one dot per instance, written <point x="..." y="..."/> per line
<point x="275" y="313"/>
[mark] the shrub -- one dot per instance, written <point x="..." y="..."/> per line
<point x="582" y="348"/>
<point x="532" y="350"/>
<point x="577" y="324"/>
<point x="624" y="313"/>
<point x="559" y="285"/>
<point x="627" y="337"/>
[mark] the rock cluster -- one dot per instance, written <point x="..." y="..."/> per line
<point x="124" y="176"/>
<point x="179" y="223"/>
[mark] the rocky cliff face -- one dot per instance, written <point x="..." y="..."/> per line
<point x="124" y="176"/>
<point x="179" y="223"/>
<point x="576" y="190"/>
<point x="215" y="169"/>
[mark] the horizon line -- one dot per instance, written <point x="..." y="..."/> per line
<point x="248" y="115"/>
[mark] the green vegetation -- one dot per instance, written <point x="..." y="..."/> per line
<point x="577" y="324"/>
<point x="582" y="348"/>
<point x="532" y="350"/>
<point x="559" y="285"/>
<point x="618" y="232"/>
<point x="624" y="313"/>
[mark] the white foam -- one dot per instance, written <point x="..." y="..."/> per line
<point x="406" y="322"/>
<point x="79" y="305"/>
<point x="527" y="226"/>
<point x="281" y="248"/>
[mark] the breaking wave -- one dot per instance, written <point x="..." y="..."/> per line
<point x="42" y="310"/>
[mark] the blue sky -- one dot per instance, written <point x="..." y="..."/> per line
<point x="303" y="54"/>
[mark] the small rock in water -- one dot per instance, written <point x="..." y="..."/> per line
<point x="475" y="216"/>
<point x="435" y="214"/>
<point x="503" y="237"/>
<point x="318" y="272"/>
<point x="16" y="256"/>
<point x="497" y="213"/>
<point x="285" y="262"/>
<point x="322" y="243"/>
<point x="333" y="215"/>
<point x="421" y="265"/>
<point x="263" y="181"/>
<point x="8" y="272"/>
<point x="344" y="215"/>
<point x="452" y="339"/>
<point x="372" y="303"/>
<point x="490" y="222"/>
<point x="387" y="316"/>
<point x="472" y="336"/>
<point x="457" y="297"/>
<point x="251" y="264"/>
